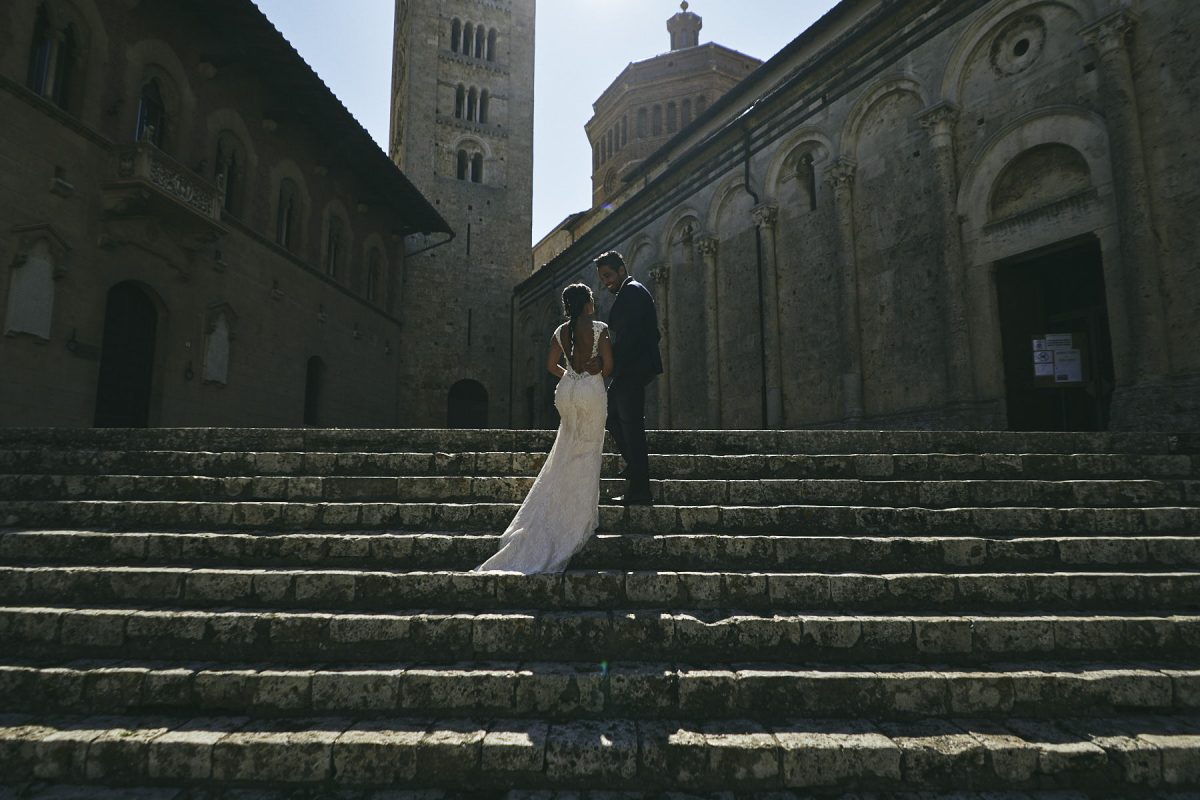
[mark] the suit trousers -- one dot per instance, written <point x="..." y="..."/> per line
<point x="627" y="423"/>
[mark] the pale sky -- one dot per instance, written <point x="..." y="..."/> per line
<point x="581" y="47"/>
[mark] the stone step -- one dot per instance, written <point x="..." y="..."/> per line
<point x="785" y="519"/>
<point x="814" y="442"/>
<point x="699" y="551"/>
<point x="463" y="489"/>
<point x="916" y="466"/>
<point x="44" y="790"/>
<point x="1089" y="754"/>
<point x="282" y="636"/>
<point x="637" y="690"/>
<point x="363" y="590"/>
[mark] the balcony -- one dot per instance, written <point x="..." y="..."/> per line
<point x="151" y="184"/>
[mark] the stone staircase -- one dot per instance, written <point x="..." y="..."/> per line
<point x="277" y="613"/>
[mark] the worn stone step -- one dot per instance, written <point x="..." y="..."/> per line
<point x="914" y="466"/>
<point x="788" y="519"/>
<point x="653" y="634"/>
<point x="813" y="442"/>
<point x="44" y="790"/>
<point x="1097" y="754"/>
<point x="369" y="590"/>
<point x="464" y="489"/>
<point x="697" y="551"/>
<point x="638" y="690"/>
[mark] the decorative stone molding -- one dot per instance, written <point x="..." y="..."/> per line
<point x="661" y="274"/>
<point x="840" y="174"/>
<point x="708" y="246"/>
<point x="765" y="215"/>
<point x="938" y="121"/>
<point x="1111" y="33"/>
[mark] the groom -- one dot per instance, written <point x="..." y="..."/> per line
<point x="633" y="326"/>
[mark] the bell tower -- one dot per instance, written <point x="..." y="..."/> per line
<point x="462" y="131"/>
<point x="684" y="28"/>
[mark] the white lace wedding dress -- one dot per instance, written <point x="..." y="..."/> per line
<point x="563" y="508"/>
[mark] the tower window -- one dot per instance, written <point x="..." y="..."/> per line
<point x="477" y="168"/>
<point x="687" y="113"/>
<point x="468" y="39"/>
<point x="480" y="41"/>
<point x="491" y="45"/>
<point x="484" y="99"/>
<point x="672" y="118"/>
<point x="472" y="103"/>
<point x="658" y="121"/>
<point x="464" y="165"/>
<point x="642" y="119"/>
<point x="624" y="131"/>
<point x="455" y="35"/>
<point x="460" y="101"/>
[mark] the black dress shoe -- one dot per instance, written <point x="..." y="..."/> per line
<point x="634" y="500"/>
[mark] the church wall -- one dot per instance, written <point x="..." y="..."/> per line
<point x="998" y="136"/>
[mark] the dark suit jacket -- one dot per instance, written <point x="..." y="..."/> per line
<point x="633" y="323"/>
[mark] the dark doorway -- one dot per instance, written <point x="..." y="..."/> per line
<point x="314" y="386"/>
<point x="126" y="380"/>
<point x="467" y="406"/>
<point x="1055" y="293"/>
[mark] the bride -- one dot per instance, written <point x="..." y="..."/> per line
<point x="562" y="508"/>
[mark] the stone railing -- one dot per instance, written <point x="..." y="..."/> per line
<point x="145" y="163"/>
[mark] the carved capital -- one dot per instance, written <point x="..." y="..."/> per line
<point x="661" y="275"/>
<point x="1111" y="33"/>
<point x="840" y="174"/>
<point x="708" y="246"/>
<point x="766" y="215"/>
<point x="938" y="121"/>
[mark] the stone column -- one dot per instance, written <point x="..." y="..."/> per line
<point x="708" y="247"/>
<point x="662" y="296"/>
<point x="1139" y="246"/>
<point x="938" y="122"/>
<point x="765" y="217"/>
<point x="840" y="175"/>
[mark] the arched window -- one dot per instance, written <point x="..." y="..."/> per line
<point x="672" y="118"/>
<point x="595" y="156"/>
<point x="624" y="130"/>
<point x="477" y="168"/>
<point x="491" y="45"/>
<point x="687" y="113"/>
<point x="455" y="35"/>
<point x="472" y="104"/>
<point x="285" y="214"/>
<point x="484" y="99"/>
<point x="468" y="40"/>
<point x="806" y="172"/>
<point x="152" y="114"/>
<point x="642" y="128"/>
<point x="701" y="104"/>
<point x="464" y="165"/>
<point x="657" y="117"/>
<point x="480" y="41"/>
<point x="334" y="244"/>
<point x="460" y="101"/>
<point x="228" y="167"/>
<point x="53" y="57"/>
<point x="374" y="274"/>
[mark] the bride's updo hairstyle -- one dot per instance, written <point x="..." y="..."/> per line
<point x="575" y="299"/>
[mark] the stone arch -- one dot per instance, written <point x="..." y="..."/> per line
<point x="725" y="192"/>
<point x="90" y="53"/>
<point x="1037" y="177"/>
<point x="336" y="265"/>
<point x="230" y="119"/>
<point x="155" y="58"/>
<point x="786" y="153"/>
<point x="983" y="27"/>
<point x="467" y="405"/>
<point x="1074" y="127"/>
<point x="456" y="29"/>
<point x="883" y="87"/>
<point x="641" y="255"/>
<point x="128" y="385"/>
<point x="289" y="170"/>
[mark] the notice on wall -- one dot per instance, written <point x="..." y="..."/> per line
<point x="1058" y="359"/>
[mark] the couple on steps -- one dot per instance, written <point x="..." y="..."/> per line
<point x="562" y="508"/>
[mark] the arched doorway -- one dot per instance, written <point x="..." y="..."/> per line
<point x="314" y="388"/>
<point x="126" y="381"/>
<point x="467" y="406"/>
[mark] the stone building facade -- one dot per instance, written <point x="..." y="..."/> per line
<point x="929" y="214"/>
<point x="193" y="230"/>
<point x="462" y="130"/>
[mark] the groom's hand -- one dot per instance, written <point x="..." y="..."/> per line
<point x="594" y="366"/>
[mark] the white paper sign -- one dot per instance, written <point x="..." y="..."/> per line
<point x="1043" y="370"/>
<point x="1068" y="367"/>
